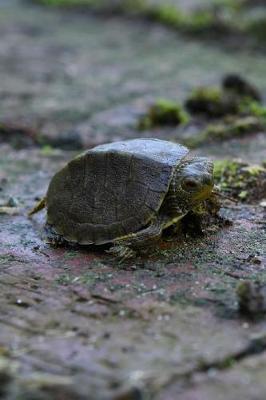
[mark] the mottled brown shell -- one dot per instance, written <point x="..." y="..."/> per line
<point x="111" y="190"/>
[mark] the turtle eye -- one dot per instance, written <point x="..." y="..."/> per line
<point x="189" y="184"/>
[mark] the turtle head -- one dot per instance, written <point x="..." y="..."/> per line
<point x="193" y="182"/>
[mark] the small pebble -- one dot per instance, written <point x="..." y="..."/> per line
<point x="9" y="210"/>
<point x="263" y="203"/>
<point x="12" y="202"/>
<point x="130" y="394"/>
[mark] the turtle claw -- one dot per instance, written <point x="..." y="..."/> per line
<point x="121" y="253"/>
<point x="52" y="238"/>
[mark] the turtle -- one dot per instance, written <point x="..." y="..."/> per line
<point x="125" y="193"/>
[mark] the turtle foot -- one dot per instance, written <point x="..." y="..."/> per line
<point x="53" y="238"/>
<point x="121" y="253"/>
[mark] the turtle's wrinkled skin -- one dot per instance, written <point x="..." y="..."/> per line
<point x="125" y="193"/>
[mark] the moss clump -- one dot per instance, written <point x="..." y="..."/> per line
<point x="236" y="96"/>
<point x="167" y="14"/>
<point x="251" y="107"/>
<point x="235" y="107"/>
<point x="211" y="102"/>
<point x="224" y="17"/>
<point x="200" y="21"/>
<point x="163" y="113"/>
<point x="197" y="222"/>
<point x="240" y="180"/>
<point x="227" y="129"/>
<point x="202" y="218"/>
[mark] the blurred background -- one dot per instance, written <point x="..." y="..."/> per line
<point x="75" y="73"/>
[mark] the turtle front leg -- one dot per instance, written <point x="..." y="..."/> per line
<point x="122" y="252"/>
<point x="128" y="246"/>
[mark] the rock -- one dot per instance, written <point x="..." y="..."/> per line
<point x="9" y="210"/>
<point x="240" y="86"/>
<point x="12" y="202"/>
<point x="251" y="298"/>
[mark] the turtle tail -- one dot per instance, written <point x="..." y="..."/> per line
<point x="39" y="206"/>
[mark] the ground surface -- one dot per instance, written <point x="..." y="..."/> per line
<point x="73" y="323"/>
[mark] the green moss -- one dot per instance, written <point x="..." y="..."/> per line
<point x="163" y="113"/>
<point x="251" y="107"/>
<point x="171" y="16"/>
<point x="47" y="150"/>
<point x="258" y="110"/>
<point x="213" y="94"/>
<point x="227" y="129"/>
<point x="243" y="194"/>
<point x="254" y="170"/>
<point x="223" y="168"/>
<point x="240" y="180"/>
<point x="167" y="14"/>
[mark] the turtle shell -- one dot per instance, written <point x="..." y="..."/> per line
<point x="111" y="190"/>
